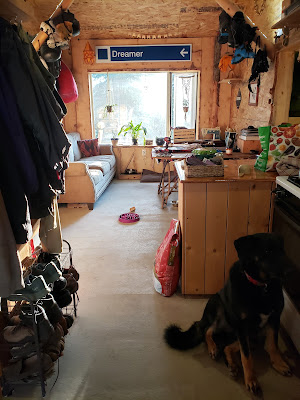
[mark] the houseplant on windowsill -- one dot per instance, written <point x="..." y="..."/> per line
<point x="135" y="131"/>
<point x="114" y="139"/>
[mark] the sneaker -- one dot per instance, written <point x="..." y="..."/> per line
<point x="49" y="271"/>
<point x="63" y="298"/>
<point x="45" y="329"/>
<point x="25" y="351"/>
<point x="51" y="308"/>
<point x="72" y="271"/>
<point x="45" y="258"/>
<point x="72" y="284"/>
<point x="18" y="334"/>
<point x="35" y="289"/>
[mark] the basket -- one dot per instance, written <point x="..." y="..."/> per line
<point x="197" y="171"/>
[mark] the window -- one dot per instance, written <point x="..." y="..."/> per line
<point x="157" y="99"/>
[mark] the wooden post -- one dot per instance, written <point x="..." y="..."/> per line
<point x="42" y="36"/>
<point x="283" y="87"/>
<point x="231" y="8"/>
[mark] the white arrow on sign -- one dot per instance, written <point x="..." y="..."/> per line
<point x="183" y="52"/>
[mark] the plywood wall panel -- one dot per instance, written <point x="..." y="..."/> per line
<point x="248" y="115"/>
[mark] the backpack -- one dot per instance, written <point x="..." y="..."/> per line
<point x="224" y="27"/>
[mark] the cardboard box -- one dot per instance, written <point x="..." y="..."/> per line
<point x="247" y="145"/>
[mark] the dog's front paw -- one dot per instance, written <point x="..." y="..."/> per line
<point x="233" y="371"/>
<point x="281" y="366"/>
<point x="253" y="386"/>
<point x="213" y="351"/>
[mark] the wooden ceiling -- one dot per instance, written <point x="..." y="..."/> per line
<point x="114" y="19"/>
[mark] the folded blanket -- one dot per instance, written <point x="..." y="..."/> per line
<point x="288" y="166"/>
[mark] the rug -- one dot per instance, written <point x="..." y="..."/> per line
<point x="151" y="176"/>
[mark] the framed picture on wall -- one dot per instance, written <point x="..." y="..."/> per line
<point x="253" y="96"/>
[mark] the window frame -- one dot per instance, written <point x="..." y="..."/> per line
<point x="168" y="103"/>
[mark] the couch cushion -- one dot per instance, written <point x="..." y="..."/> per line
<point x="88" y="147"/>
<point x="103" y="166"/>
<point x="110" y="159"/>
<point x="73" y="138"/>
<point x="96" y="175"/>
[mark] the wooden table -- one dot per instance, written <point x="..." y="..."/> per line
<point x="213" y="213"/>
<point x="169" y="185"/>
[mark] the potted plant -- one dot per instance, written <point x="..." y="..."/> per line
<point x="108" y="109"/>
<point x="114" y="139"/>
<point x="134" y="130"/>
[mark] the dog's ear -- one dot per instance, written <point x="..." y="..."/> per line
<point x="244" y="246"/>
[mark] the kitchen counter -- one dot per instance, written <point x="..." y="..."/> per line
<point x="213" y="213"/>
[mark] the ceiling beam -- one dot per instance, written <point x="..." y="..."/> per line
<point x="231" y="8"/>
<point x="20" y="9"/>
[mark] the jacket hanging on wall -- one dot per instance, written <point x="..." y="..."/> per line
<point x="260" y="64"/>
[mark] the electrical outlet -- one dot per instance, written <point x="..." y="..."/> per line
<point x="144" y="152"/>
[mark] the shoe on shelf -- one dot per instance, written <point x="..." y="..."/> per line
<point x="18" y="334"/>
<point x="31" y="366"/>
<point x="35" y="289"/>
<point x="72" y="284"/>
<point x="44" y="327"/>
<point x="12" y="371"/>
<point x="45" y="258"/>
<point x="69" y="319"/>
<point x="24" y="351"/>
<point x="73" y="271"/>
<point x="63" y="298"/>
<point x="49" y="271"/>
<point x="51" y="308"/>
<point x="59" y="285"/>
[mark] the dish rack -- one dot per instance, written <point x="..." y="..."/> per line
<point x="10" y="308"/>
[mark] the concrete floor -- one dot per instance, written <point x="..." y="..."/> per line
<point x="115" y="348"/>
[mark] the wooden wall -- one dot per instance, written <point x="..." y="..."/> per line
<point x="202" y="61"/>
<point x="246" y="115"/>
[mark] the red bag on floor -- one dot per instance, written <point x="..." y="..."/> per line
<point x="167" y="264"/>
<point x="67" y="87"/>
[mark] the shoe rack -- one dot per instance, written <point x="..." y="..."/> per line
<point x="12" y="308"/>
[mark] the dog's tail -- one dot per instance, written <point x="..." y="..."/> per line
<point x="184" y="340"/>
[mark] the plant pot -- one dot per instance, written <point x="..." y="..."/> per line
<point x="109" y="109"/>
<point x="185" y="109"/>
<point x="114" y="141"/>
<point x="134" y="141"/>
<point x="159" y="141"/>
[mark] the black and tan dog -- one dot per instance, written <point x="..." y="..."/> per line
<point x="251" y="299"/>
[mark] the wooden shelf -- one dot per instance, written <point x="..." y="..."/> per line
<point x="291" y="20"/>
<point x="130" y="176"/>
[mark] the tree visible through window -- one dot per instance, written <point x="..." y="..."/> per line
<point x="146" y="97"/>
